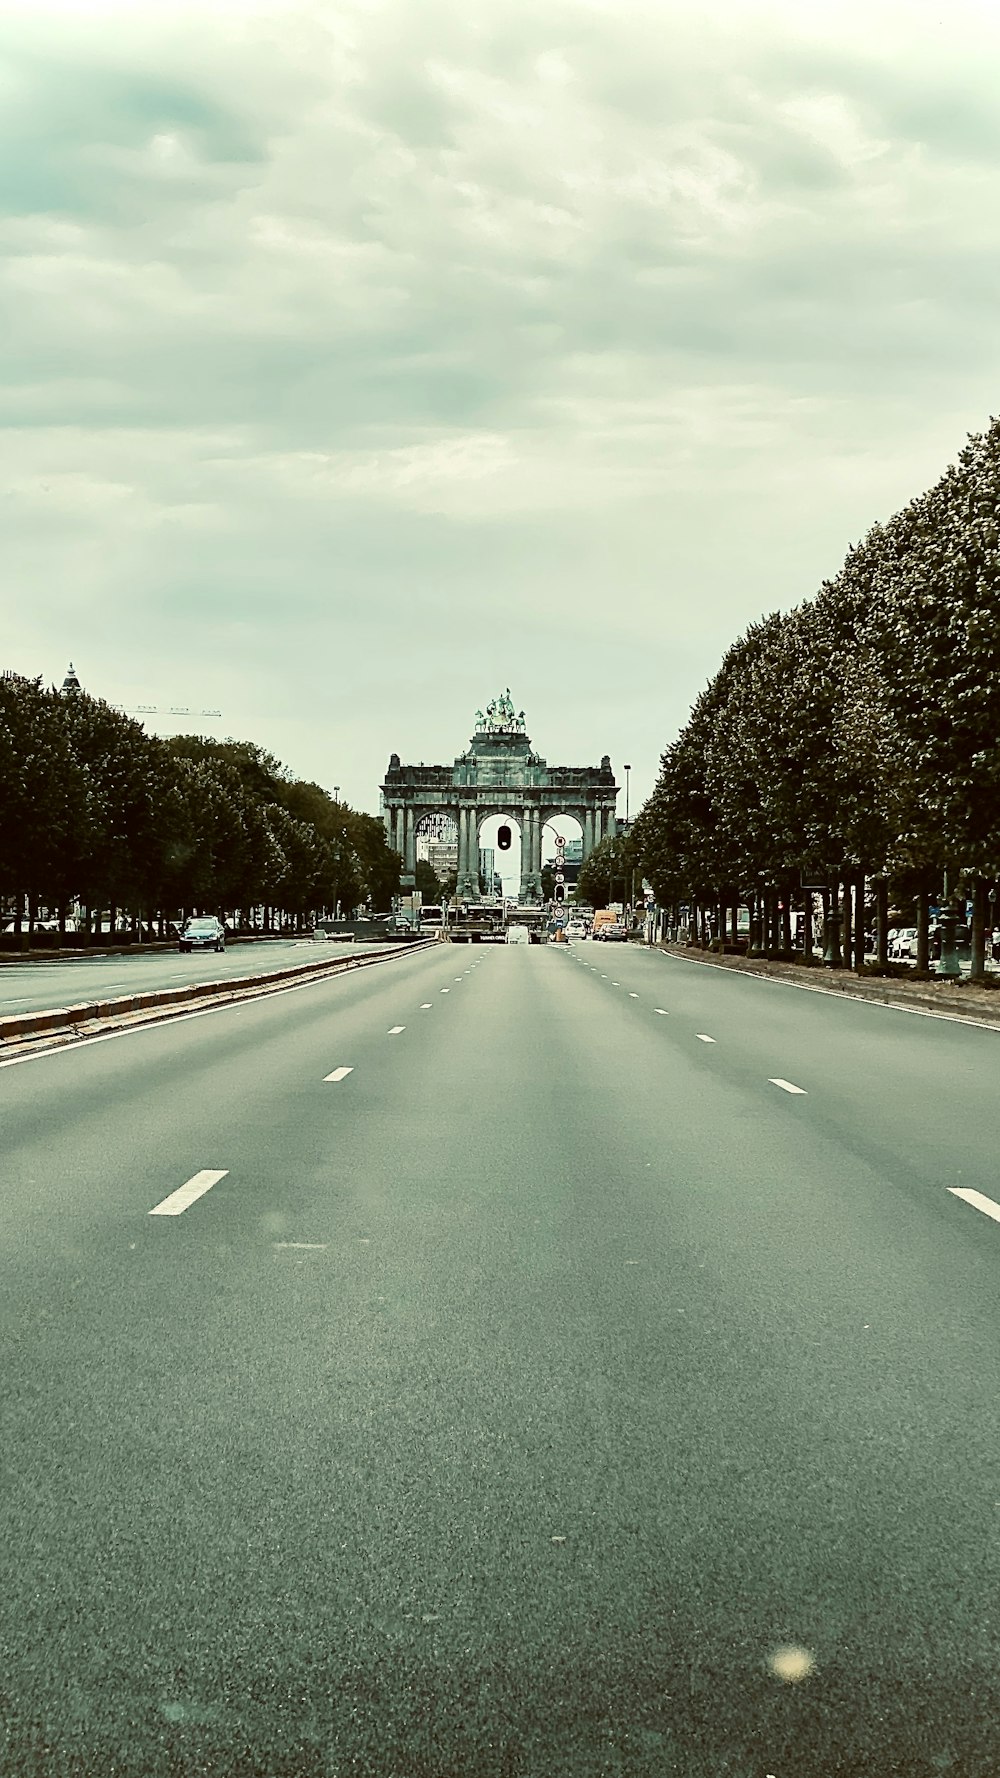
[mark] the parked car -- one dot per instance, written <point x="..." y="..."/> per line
<point x="204" y="933"/>
<point x="903" y="943"/>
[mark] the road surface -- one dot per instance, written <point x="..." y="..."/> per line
<point x="527" y="1381"/>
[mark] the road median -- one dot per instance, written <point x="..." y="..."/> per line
<point x="61" y="1023"/>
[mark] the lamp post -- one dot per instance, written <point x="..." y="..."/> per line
<point x="624" y="878"/>
<point x="948" y="966"/>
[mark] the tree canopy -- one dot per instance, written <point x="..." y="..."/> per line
<point x="858" y="733"/>
<point x="94" y="810"/>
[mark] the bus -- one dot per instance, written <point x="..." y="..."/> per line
<point x="431" y="919"/>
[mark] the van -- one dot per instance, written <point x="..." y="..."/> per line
<point x="603" y="917"/>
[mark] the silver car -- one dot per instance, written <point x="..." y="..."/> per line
<point x="205" y="933"/>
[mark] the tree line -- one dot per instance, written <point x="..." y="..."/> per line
<point x="96" y="814"/>
<point x="855" y="740"/>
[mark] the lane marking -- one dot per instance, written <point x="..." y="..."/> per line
<point x="787" y="1086"/>
<point x="446" y="990"/>
<point x="425" y="1005"/>
<point x="703" y="1039"/>
<point x="304" y="1246"/>
<point x="978" y="1200"/>
<point x="662" y="1012"/>
<point x="339" y="1074"/>
<point x="633" y="996"/>
<point x="395" y="1030"/>
<point x="458" y="978"/>
<point x="195" y="1188"/>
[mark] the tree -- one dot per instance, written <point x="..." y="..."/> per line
<point x="428" y="882"/>
<point x="606" y="874"/>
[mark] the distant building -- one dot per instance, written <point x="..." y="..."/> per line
<point x="442" y="858"/>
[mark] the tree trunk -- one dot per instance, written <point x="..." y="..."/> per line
<point x="923" y="933"/>
<point x="807" y="926"/>
<point x="859" y="924"/>
<point x="786" y="921"/>
<point x="882" y="922"/>
<point x="847" y="930"/>
<point x="979" y="907"/>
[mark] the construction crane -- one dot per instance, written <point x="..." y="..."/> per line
<point x="71" y="684"/>
<point x="158" y="710"/>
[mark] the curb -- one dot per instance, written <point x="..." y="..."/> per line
<point x="929" y="1006"/>
<point x="21" y="1027"/>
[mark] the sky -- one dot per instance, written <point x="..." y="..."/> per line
<point x="363" y="358"/>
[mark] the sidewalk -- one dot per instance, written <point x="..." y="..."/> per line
<point x="953" y="999"/>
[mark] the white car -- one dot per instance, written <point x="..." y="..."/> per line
<point x="903" y="943"/>
<point x="576" y="929"/>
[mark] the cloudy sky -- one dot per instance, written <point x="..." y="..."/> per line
<point x="363" y="357"/>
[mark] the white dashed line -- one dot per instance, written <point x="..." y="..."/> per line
<point x="977" y="1199"/>
<point x="787" y="1086"/>
<point x="189" y="1193"/>
<point x="446" y="990"/>
<point x="662" y="1012"/>
<point x="703" y="1039"/>
<point x="425" y="1005"/>
<point x="395" y="1030"/>
<point x="633" y="996"/>
<point x="339" y="1074"/>
<point x="305" y="1246"/>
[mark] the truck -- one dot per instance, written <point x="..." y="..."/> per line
<point x="477" y="923"/>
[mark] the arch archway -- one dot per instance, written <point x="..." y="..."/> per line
<point x="498" y="776"/>
<point x="507" y="865"/>
<point x="566" y="860"/>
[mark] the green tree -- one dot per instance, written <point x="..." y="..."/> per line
<point x="428" y="882"/>
<point x="606" y="874"/>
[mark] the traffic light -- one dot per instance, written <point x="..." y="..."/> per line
<point x="504" y="837"/>
<point x="560" y="892"/>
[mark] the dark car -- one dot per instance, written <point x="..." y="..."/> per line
<point x="203" y="934"/>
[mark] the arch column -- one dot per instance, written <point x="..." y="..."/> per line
<point x="468" y="851"/>
<point x="409" y="840"/>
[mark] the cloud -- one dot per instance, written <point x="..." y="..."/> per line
<point x="309" y="311"/>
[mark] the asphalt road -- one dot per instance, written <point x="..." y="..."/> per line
<point x="510" y="1401"/>
<point x="70" y="981"/>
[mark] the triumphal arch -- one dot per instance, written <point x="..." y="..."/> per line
<point x="498" y="774"/>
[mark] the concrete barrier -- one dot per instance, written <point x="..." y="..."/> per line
<point x="21" y="1027"/>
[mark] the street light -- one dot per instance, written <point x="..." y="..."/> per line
<point x="624" y="880"/>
